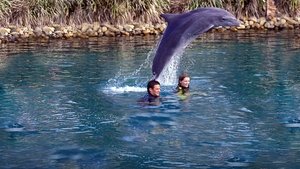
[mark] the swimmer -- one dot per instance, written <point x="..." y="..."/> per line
<point x="153" y="93"/>
<point x="183" y="86"/>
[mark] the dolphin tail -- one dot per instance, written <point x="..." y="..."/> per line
<point x="154" y="76"/>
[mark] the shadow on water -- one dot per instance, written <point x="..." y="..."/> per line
<point x="72" y="104"/>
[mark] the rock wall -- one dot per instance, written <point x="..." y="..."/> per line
<point x="86" y="30"/>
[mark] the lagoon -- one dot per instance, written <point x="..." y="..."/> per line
<point x="72" y="103"/>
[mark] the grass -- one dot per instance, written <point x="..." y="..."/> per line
<point x="239" y="8"/>
<point x="41" y="12"/>
<point x="290" y="6"/>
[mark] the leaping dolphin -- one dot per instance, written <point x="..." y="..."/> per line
<point x="184" y="28"/>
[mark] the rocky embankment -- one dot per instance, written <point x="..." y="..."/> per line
<point x="86" y="30"/>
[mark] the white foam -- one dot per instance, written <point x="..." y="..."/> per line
<point x="293" y="125"/>
<point x="125" y="89"/>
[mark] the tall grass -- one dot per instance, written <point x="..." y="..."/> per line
<point x="39" y="12"/>
<point x="289" y="6"/>
<point x="5" y="6"/>
<point x="239" y="7"/>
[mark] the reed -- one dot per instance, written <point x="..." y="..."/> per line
<point x="41" y="12"/>
<point x="291" y="7"/>
<point x="239" y="8"/>
<point x="5" y="6"/>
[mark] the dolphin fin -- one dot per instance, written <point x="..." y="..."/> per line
<point x="169" y="17"/>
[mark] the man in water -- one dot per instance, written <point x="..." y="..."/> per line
<point x="153" y="93"/>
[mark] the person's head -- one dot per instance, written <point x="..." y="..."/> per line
<point x="153" y="88"/>
<point x="184" y="81"/>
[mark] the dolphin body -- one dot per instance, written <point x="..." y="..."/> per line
<point x="184" y="28"/>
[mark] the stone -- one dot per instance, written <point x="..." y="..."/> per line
<point x="152" y="29"/>
<point x="4" y="31"/>
<point x="30" y="32"/>
<point x="68" y="35"/>
<point x="146" y="32"/>
<point x="254" y="19"/>
<point x="234" y="29"/>
<point x="251" y="22"/>
<point x="146" y="25"/>
<point x="104" y="29"/>
<point x="110" y="34"/>
<point x="91" y="33"/>
<point x="128" y="28"/>
<point x="15" y="34"/>
<point x="137" y="32"/>
<point x="56" y="27"/>
<point x="277" y="24"/>
<point x="290" y="20"/>
<point x="262" y="21"/>
<point x="100" y="33"/>
<point x="120" y="27"/>
<point x="256" y="26"/>
<point x="269" y="25"/>
<point x="83" y="36"/>
<point x="48" y="30"/>
<point x="282" y="21"/>
<point x="241" y="27"/>
<point x="12" y="27"/>
<point x="138" y="29"/>
<point x="297" y="18"/>
<point x="291" y="26"/>
<point x="125" y="33"/>
<point x="157" y="26"/>
<point x="96" y="26"/>
<point x="59" y="33"/>
<point x="65" y="30"/>
<point x="162" y="27"/>
<point x="155" y="32"/>
<point x="111" y="28"/>
<point x="25" y="35"/>
<point x="85" y="27"/>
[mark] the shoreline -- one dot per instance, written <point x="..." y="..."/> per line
<point x="12" y="33"/>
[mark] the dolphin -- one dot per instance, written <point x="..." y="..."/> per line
<point x="183" y="28"/>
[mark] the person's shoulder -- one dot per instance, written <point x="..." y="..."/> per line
<point x="149" y="100"/>
<point x="144" y="98"/>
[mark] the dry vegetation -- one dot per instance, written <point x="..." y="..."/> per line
<point x="42" y="12"/>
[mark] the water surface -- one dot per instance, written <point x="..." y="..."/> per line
<point x="72" y="104"/>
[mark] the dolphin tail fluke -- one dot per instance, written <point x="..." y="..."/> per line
<point x="154" y="76"/>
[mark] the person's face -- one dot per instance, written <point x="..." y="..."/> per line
<point x="155" y="91"/>
<point x="185" y="82"/>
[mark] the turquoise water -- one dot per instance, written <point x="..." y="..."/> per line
<point x="72" y="104"/>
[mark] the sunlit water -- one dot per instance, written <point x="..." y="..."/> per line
<point x="72" y="104"/>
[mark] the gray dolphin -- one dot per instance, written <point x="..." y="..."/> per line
<point x="184" y="28"/>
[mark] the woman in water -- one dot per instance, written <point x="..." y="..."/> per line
<point x="183" y="86"/>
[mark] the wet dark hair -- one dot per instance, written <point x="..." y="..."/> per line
<point x="151" y="84"/>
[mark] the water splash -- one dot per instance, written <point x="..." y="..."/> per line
<point x="125" y="89"/>
<point x="168" y="77"/>
<point x="135" y="82"/>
